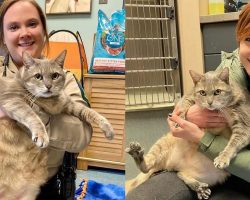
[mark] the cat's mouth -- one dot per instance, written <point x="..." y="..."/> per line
<point x="47" y="94"/>
<point x="210" y="107"/>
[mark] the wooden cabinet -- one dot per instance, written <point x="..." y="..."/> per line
<point x="106" y="94"/>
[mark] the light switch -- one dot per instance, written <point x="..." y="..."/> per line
<point x="103" y="1"/>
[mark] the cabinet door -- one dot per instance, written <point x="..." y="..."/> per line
<point x="107" y="96"/>
<point x="217" y="37"/>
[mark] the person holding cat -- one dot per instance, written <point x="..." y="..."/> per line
<point x="23" y="28"/>
<point x="167" y="185"/>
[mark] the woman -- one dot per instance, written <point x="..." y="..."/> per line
<point x="166" y="186"/>
<point x="23" y="27"/>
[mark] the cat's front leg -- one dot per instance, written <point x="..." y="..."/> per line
<point x="237" y="141"/>
<point x="106" y="127"/>
<point x="91" y="116"/>
<point x="183" y="105"/>
<point x="18" y="110"/>
<point x="222" y="161"/>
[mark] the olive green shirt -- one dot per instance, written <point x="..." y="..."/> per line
<point x="212" y="145"/>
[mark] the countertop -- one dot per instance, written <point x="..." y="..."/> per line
<point x="233" y="16"/>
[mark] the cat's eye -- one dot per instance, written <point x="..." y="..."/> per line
<point x="55" y="76"/>
<point x="217" y="92"/>
<point x="38" y="76"/>
<point x="202" y="93"/>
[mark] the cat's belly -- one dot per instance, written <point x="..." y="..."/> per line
<point x="202" y="169"/>
<point x="22" y="162"/>
<point x="185" y="157"/>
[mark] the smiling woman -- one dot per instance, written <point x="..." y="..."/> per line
<point x="22" y="32"/>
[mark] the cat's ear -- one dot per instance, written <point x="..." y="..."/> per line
<point x="61" y="58"/>
<point x="27" y="60"/>
<point x="195" y="76"/>
<point x="224" y="75"/>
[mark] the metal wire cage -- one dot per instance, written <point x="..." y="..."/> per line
<point x="152" y="68"/>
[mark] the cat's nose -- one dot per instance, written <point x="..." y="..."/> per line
<point x="48" y="87"/>
<point x="210" y="103"/>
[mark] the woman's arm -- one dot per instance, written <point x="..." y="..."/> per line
<point x="68" y="132"/>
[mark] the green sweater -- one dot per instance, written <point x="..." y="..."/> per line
<point x="212" y="145"/>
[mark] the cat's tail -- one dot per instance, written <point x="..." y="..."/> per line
<point x="138" y="180"/>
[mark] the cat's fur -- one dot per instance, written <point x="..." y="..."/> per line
<point x="212" y="91"/>
<point x="23" y="163"/>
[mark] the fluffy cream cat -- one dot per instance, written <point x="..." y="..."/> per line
<point x="214" y="92"/>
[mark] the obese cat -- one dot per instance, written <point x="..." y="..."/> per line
<point x="214" y="92"/>
<point x="23" y="158"/>
<point x="42" y="81"/>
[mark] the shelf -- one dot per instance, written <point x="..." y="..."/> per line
<point x="233" y="16"/>
<point x="105" y="76"/>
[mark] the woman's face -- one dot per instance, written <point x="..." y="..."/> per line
<point x="244" y="54"/>
<point x="23" y="31"/>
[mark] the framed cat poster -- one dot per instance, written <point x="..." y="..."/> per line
<point x="67" y="6"/>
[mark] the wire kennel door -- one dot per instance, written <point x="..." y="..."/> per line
<point x="152" y="71"/>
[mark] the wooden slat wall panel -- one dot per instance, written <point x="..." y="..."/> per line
<point x="107" y="96"/>
<point x="115" y="101"/>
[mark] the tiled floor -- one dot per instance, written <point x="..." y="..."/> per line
<point x="102" y="175"/>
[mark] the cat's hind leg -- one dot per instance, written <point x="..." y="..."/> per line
<point x="138" y="180"/>
<point x="202" y="189"/>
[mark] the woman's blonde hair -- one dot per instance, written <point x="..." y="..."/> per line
<point x="4" y="8"/>
<point x="243" y="25"/>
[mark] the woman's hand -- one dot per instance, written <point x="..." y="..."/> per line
<point x="186" y="130"/>
<point x="205" y="118"/>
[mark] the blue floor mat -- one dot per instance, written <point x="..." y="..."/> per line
<point x="91" y="190"/>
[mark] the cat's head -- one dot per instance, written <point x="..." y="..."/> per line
<point x="212" y="89"/>
<point x="43" y="77"/>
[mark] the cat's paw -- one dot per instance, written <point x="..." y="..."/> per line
<point x="135" y="150"/>
<point x="203" y="191"/>
<point x="108" y="130"/>
<point x="41" y="139"/>
<point x="222" y="161"/>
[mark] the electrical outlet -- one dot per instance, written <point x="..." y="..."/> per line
<point x="103" y="1"/>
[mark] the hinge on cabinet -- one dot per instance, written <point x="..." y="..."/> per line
<point x="174" y="63"/>
<point x="170" y="12"/>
